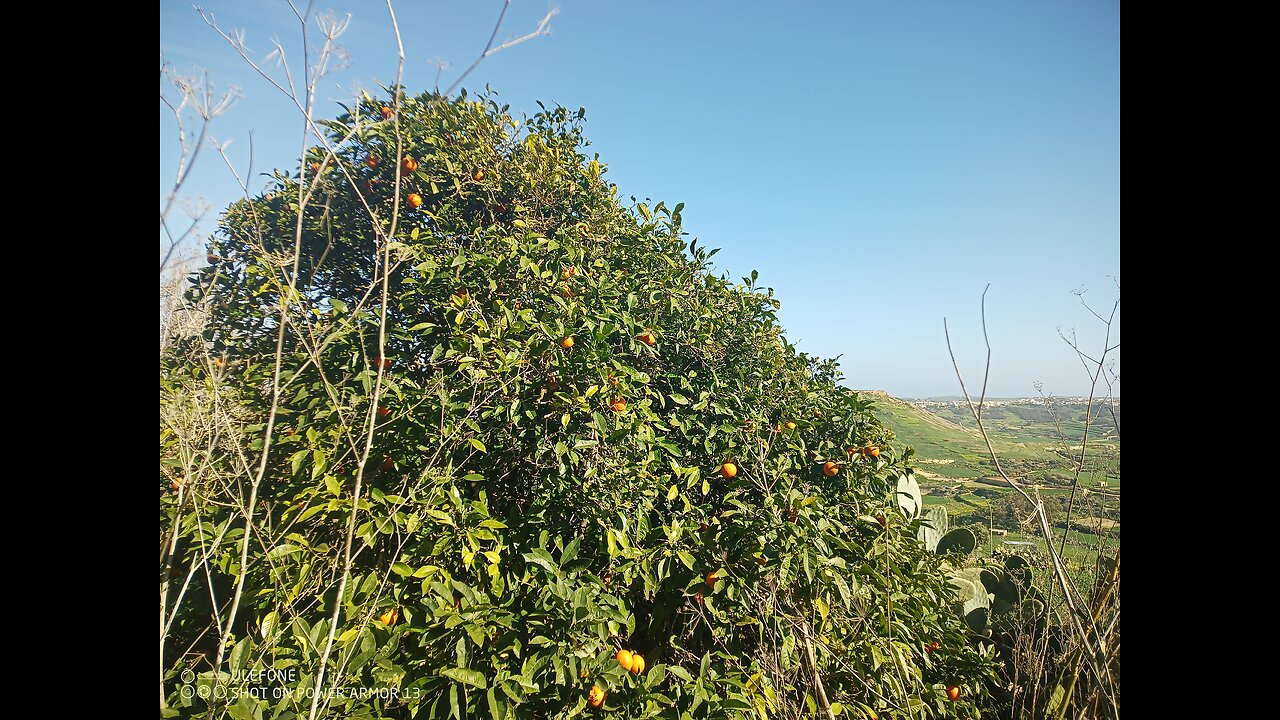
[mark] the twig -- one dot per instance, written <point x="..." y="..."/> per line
<point x="1045" y="531"/>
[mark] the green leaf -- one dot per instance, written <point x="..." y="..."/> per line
<point x="570" y="552"/>
<point x="477" y="445"/>
<point x="240" y="655"/>
<point x="401" y="569"/>
<point x="680" y="673"/>
<point x="244" y="709"/>
<point x="280" y="551"/>
<point x="542" y="558"/>
<point x="474" y="678"/>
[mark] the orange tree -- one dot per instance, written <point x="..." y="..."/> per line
<point x="393" y="487"/>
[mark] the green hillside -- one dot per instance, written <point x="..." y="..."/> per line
<point x="957" y="471"/>
<point x="956" y="466"/>
<point x="950" y="450"/>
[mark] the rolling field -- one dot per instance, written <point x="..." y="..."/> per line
<point x="1035" y="448"/>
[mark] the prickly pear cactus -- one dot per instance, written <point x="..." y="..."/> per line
<point x="971" y="594"/>
<point x="908" y="494"/>
<point x="933" y="527"/>
<point x="960" y="540"/>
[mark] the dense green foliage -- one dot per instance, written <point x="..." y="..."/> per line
<point x="523" y="508"/>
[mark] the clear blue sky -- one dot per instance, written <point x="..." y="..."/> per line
<point x="878" y="162"/>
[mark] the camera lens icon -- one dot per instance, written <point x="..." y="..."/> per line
<point x="187" y="676"/>
<point x="203" y="692"/>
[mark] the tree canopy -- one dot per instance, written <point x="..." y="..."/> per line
<point x="460" y="424"/>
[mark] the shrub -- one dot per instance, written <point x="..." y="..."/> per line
<point x="380" y="461"/>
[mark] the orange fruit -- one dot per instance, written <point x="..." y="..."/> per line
<point x="390" y="616"/>
<point x="791" y="425"/>
<point x="646" y="337"/>
<point x="384" y="362"/>
<point x="711" y="579"/>
<point x="384" y="411"/>
<point x="729" y="470"/>
<point x="624" y="658"/>
<point x="637" y="663"/>
<point x="567" y="342"/>
<point x="618" y="405"/>
<point x="386" y="112"/>
<point x="953" y="692"/>
<point x="409" y="164"/>
<point x="478" y="175"/>
<point x="414" y="200"/>
<point x="568" y="272"/>
<point x="875" y="451"/>
<point x="777" y="428"/>
<point x="388" y="462"/>
<point x="315" y="168"/>
<point x="831" y="468"/>
<point x="220" y="362"/>
<point x="371" y="161"/>
<point x="596" y="697"/>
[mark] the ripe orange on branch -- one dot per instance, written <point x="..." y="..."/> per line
<point x="624" y="658"/>
<point x="414" y="200"/>
<point x="729" y="470"/>
<point x="831" y="468"/>
<point x="595" y="698"/>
